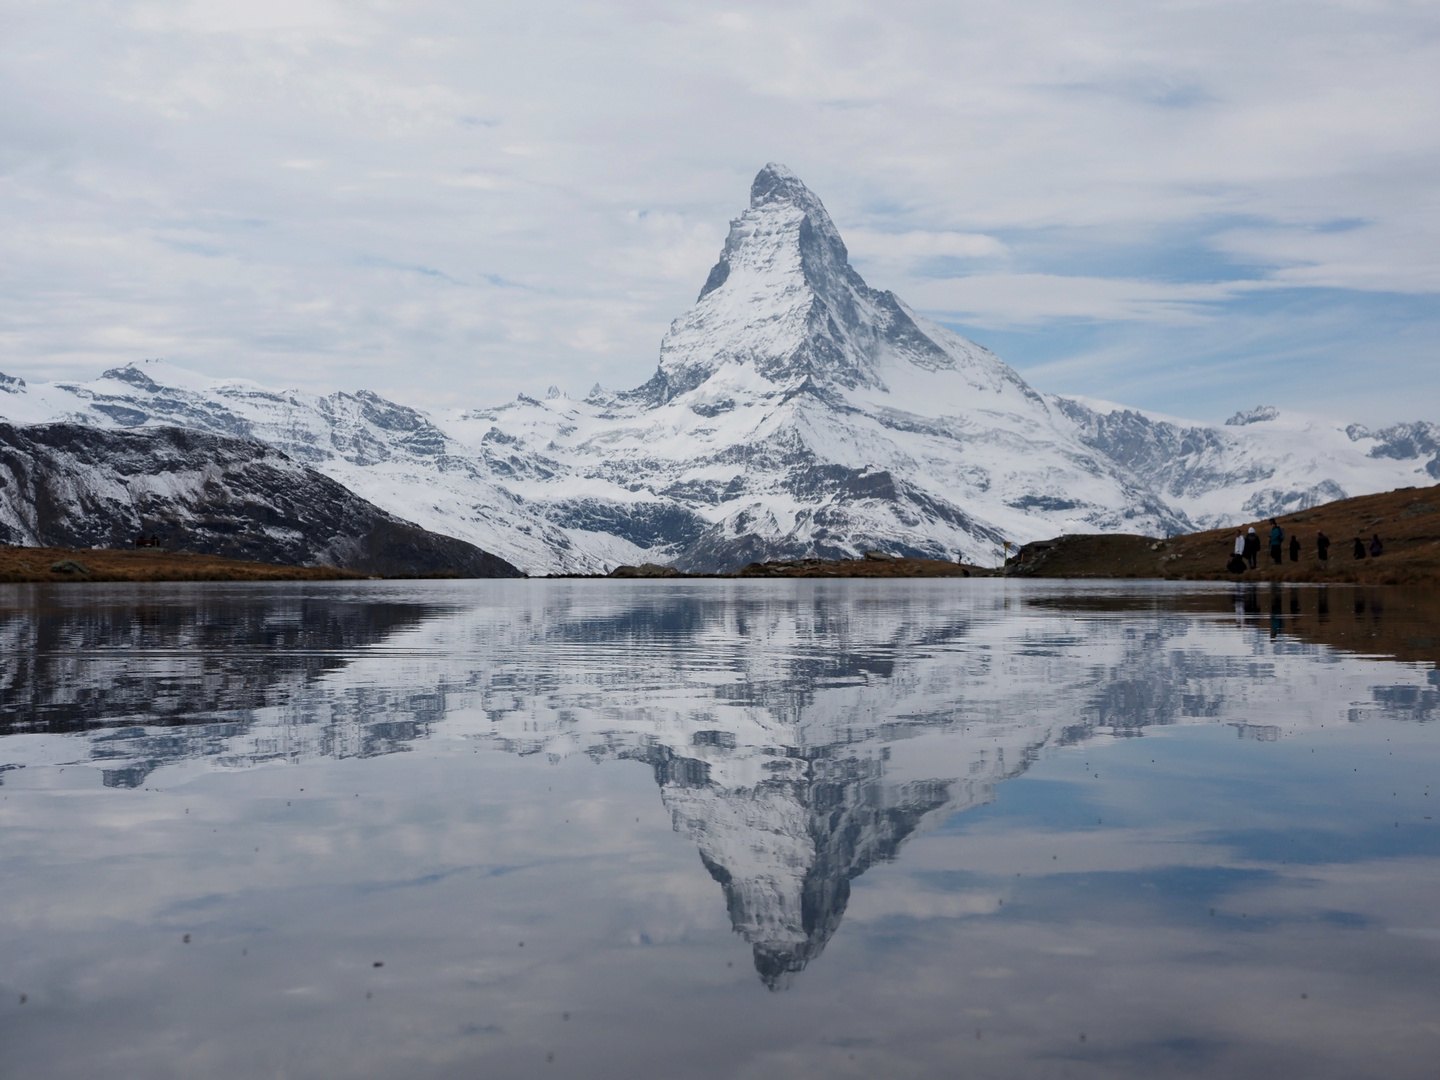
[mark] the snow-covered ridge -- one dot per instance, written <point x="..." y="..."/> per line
<point x="794" y="411"/>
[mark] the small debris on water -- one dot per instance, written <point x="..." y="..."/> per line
<point x="378" y="963"/>
<point x="186" y="939"/>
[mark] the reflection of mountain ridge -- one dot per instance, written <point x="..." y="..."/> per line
<point x="798" y="740"/>
<point x="196" y="665"/>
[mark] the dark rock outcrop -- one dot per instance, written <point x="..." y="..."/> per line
<point x="72" y="485"/>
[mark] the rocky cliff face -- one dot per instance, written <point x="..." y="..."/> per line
<point x="73" y="485"/>
<point x="795" y="411"/>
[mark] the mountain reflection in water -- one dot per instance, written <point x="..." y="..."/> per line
<point x="798" y="735"/>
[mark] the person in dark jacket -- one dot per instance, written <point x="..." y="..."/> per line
<point x="1294" y="549"/>
<point x="1322" y="547"/>
<point x="1376" y="547"/>
<point x="1252" y="546"/>
<point x="1359" y="548"/>
<point x="1277" y="542"/>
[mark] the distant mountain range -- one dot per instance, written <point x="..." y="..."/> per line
<point x="795" y="411"/>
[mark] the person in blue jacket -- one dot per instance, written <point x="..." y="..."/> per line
<point x="1277" y="542"/>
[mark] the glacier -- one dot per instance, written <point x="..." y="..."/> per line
<point x="795" y="411"/>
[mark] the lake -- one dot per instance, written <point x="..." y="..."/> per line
<point x="719" y="829"/>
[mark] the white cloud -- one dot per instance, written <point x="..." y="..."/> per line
<point x="919" y="244"/>
<point x="1009" y="299"/>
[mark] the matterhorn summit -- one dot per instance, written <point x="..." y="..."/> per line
<point x="795" y="411"/>
<point x="783" y="302"/>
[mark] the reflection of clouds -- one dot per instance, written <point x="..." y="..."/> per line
<point x="912" y="900"/>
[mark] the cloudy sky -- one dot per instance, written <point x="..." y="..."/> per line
<point x="1189" y="206"/>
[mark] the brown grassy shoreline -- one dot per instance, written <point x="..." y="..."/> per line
<point x="1407" y="521"/>
<point x="21" y="565"/>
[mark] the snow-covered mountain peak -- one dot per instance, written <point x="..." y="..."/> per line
<point x="776" y="183"/>
<point x="784" y="303"/>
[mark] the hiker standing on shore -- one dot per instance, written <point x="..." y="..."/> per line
<point x="1376" y="547"/>
<point x="1294" y="549"/>
<point x="1359" y="548"/>
<point x="1277" y="542"/>
<point x="1236" y="565"/>
<point x="1252" y="546"/>
<point x="1322" y="547"/>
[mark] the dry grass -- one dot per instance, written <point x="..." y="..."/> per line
<point x="28" y="564"/>
<point x="1407" y="520"/>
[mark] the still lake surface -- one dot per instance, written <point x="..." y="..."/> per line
<point x="718" y="829"/>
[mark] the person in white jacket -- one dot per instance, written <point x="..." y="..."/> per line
<point x="1237" y="561"/>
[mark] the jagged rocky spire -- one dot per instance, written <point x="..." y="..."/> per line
<point x="776" y="188"/>
<point x="784" y="300"/>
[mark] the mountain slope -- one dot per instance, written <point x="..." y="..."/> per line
<point x="795" y="411"/>
<point x="72" y="485"/>
<point x="391" y="455"/>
